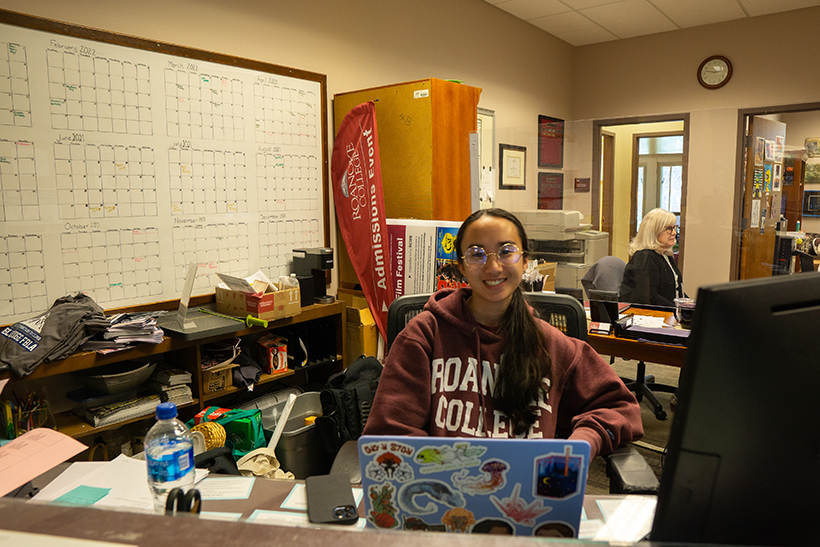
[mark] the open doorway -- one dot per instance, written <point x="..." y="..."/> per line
<point x="773" y="215"/>
<point x="624" y="189"/>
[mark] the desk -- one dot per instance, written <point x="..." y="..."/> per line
<point x="145" y="530"/>
<point x="628" y="348"/>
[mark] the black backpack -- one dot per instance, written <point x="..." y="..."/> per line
<point x="346" y="401"/>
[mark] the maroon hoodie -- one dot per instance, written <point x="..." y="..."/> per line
<point x="439" y="374"/>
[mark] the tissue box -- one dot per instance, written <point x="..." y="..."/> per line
<point x="269" y="305"/>
<point x="273" y="354"/>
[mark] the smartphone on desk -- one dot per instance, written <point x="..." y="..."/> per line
<point x="330" y="500"/>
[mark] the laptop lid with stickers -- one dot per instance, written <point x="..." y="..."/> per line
<point x="526" y="487"/>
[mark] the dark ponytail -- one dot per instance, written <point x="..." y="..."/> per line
<point x="526" y="361"/>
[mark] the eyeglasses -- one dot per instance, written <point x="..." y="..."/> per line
<point x="507" y="255"/>
<point x="672" y="230"/>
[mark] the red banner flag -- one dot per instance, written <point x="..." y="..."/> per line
<point x="356" y="175"/>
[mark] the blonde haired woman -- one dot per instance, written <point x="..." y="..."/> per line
<point x="651" y="276"/>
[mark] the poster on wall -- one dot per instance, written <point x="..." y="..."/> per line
<point x="777" y="177"/>
<point x="550" y="191"/>
<point x="550" y="142"/>
<point x="755" y="220"/>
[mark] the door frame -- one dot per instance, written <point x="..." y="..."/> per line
<point x="597" y="126"/>
<point x="737" y="209"/>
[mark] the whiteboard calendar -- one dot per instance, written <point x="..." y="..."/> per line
<point x="119" y="166"/>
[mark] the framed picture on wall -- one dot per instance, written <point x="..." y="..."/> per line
<point x="550" y="190"/>
<point x="550" y="142"/>
<point x="512" y="167"/>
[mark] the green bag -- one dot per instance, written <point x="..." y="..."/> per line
<point x="243" y="428"/>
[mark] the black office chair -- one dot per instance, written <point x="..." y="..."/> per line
<point x="602" y="282"/>
<point x="627" y="470"/>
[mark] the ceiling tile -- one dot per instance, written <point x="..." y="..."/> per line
<point x="564" y="22"/>
<point x="582" y="37"/>
<point x="582" y="4"/>
<point x="629" y="18"/>
<point x="693" y="13"/>
<point x="766" y="7"/>
<point x="530" y="9"/>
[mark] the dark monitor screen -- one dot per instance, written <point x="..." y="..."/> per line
<point x="743" y="456"/>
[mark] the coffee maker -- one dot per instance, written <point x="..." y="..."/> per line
<point x="310" y="266"/>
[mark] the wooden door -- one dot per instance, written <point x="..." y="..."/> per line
<point x="761" y="197"/>
<point x="607" y="184"/>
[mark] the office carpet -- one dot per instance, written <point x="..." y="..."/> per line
<point x="656" y="432"/>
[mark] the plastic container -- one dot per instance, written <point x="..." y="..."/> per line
<point x="300" y="449"/>
<point x="169" y="453"/>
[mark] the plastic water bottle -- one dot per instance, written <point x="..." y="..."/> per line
<point x="169" y="452"/>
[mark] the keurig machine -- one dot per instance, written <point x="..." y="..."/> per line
<point x="310" y="266"/>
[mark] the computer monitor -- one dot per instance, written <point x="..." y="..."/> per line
<point x="743" y="463"/>
<point x="603" y="305"/>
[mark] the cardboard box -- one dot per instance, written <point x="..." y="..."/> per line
<point x="218" y="378"/>
<point x="273" y="354"/>
<point x="362" y="334"/>
<point x="548" y="270"/>
<point x="269" y="305"/>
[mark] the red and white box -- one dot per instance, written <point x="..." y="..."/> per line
<point x="273" y="353"/>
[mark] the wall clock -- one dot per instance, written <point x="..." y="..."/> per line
<point x="714" y="72"/>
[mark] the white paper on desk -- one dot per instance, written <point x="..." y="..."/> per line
<point x="32" y="454"/>
<point x="127" y="479"/>
<point x="628" y="520"/>
<point x="229" y="488"/>
<point x="647" y="321"/>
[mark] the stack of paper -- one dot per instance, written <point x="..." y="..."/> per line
<point x="127" y="329"/>
<point x="172" y="385"/>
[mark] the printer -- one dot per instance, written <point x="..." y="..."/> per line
<point x="561" y="236"/>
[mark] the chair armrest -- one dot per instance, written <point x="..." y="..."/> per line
<point x="629" y="473"/>
<point x="346" y="462"/>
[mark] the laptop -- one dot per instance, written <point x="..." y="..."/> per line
<point x="525" y="487"/>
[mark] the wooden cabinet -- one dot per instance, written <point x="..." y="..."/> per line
<point x="424" y="132"/>
<point x="186" y="354"/>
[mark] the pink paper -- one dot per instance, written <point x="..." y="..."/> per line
<point x="32" y="454"/>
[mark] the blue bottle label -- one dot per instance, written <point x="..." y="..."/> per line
<point x="171" y="466"/>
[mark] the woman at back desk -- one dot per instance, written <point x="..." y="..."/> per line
<point x="651" y="276"/>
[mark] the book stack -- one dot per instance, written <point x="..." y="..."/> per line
<point x="172" y="385"/>
<point x="121" y="411"/>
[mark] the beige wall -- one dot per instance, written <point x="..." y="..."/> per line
<point x="657" y="75"/>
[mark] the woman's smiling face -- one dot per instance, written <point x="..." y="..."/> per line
<point x="493" y="283"/>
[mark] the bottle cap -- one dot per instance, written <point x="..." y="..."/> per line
<point x="166" y="411"/>
<point x="310" y="420"/>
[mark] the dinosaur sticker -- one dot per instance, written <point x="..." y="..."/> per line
<point x="445" y="457"/>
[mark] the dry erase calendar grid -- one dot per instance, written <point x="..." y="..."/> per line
<point x="216" y="247"/>
<point x="203" y="106"/>
<point x="99" y="138"/>
<point x="15" y="100"/>
<point x="278" y="238"/>
<point x="22" y="275"/>
<point x="287" y="182"/>
<point x="91" y="93"/>
<point x="112" y="265"/>
<point x="284" y="115"/>
<point x="104" y="181"/>
<point x="18" y="180"/>
<point x="207" y="181"/>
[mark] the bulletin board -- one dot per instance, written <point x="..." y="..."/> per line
<point x="124" y="160"/>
